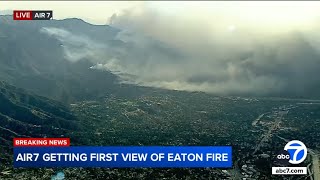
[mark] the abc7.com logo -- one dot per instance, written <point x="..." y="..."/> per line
<point x="294" y="152"/>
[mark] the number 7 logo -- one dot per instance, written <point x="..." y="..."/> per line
<point x="295" y="148"/>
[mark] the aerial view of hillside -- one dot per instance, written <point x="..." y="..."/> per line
<point x="150" y="74"/>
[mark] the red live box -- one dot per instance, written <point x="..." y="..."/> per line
<point x="38" y="142"/>
<point x="22" y="15"/>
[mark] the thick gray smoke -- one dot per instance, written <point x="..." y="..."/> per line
<point x="220" y="58"/>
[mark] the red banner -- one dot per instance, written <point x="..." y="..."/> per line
<point x="38" y="142"/>
<point x="22" y="15"/>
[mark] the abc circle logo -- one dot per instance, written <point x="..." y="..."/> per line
<point x="283" y="158"/>
<point x="283" y="155"/>
<point x="297" y="152"/>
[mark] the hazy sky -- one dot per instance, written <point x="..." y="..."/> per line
<point x="91" y="11"/>
<point x="247" y="12"/>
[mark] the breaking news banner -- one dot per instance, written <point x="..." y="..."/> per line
<point x="40" y="142"/>
<point x="121" y="156"/>
<point x="32" y="15"/>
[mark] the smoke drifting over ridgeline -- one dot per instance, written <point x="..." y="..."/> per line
<point x="75" y="47"/>
<point x="221" y="53"/>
